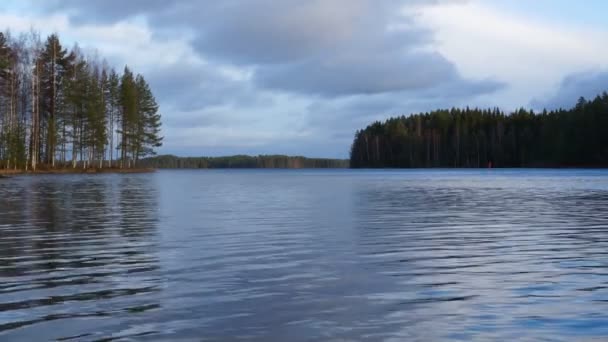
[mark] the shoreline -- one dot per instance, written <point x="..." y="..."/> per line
<point x="72" y="171"/>
<point x="4" y="173"/>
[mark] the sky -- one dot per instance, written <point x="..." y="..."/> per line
<point x="300" y="77"/>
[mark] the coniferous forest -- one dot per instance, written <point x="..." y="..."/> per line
<point x="62" y="109"/>
<point x="243" y="162"/>
<point x="475" y="138"/>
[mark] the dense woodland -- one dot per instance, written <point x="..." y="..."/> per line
<point x="488" y="138"/>
<point x="62" y="109"/>
<point x="241" y="162"/>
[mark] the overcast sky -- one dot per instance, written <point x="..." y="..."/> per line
<point x="301" y="76"/>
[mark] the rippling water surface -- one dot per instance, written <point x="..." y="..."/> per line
<point x="305" y="256"/>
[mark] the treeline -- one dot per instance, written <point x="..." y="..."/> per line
<point x="61" y="109"/>
<point x="241" y="162"/>
<point x="488" y="138"/>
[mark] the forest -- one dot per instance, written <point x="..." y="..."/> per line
<point x="62" y="109"/>
<point x="479" y="138"/>
<point x="242" y="162"/>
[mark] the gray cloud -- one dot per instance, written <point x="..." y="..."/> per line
<point x="327" y="67"/>
<point x="190" y="87"/>
<point x="416" y="72"/>
<point x="102" y="11"/>
<point x="271" y="32"/>
<point x="587" y="84"/>
<point x="357" y="74"/>
<point x="329" y="48"/>
<point x="207" y="117"/>
<point x="325" y="47"/>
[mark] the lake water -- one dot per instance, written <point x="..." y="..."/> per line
<point x="306" y="255"/>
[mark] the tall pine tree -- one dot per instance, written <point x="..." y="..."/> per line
<point x="148" y="134"/>
<point x="53" y="61"/>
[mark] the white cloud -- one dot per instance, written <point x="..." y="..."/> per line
<point x="209" y="83"/>
<point x="532" y="57"/>
<point x="18" y="23"/>
<point x="129" y="42"/>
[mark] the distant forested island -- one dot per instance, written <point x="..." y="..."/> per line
<point x="475" y="138"/>
<point x="61" y="109"/>
<point x="242" y="162"/>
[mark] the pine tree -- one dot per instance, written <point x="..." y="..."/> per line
<point x="76" y="97"/>
<point x="95" y="113"/>
<point x="6" y="61"/>
<point x="56" y="105"/>
<point x="53" y="60"/>
<point x="63" y="115"/>
<point x="128" y="117"/>
<point x="112" y="102"/>
<point x="149" y="121"/>
<point x="12" y="140"/>
<point x="35" y="81"/>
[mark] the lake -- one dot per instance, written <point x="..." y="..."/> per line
<point x="289" y="255"/>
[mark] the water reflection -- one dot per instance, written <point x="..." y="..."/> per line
<point x="302" y="255"/>
<point x="501" y="260"/>
<point x="76" y="247"/>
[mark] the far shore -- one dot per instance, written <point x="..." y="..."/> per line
<point x="67" y="171"/>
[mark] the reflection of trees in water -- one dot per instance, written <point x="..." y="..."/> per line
<point x="59" y="220"/>
<point x="12" y="218"/>
<point x="137" y="202"/>
<point x="96" y="232"/>
<point x="582" y="216"/>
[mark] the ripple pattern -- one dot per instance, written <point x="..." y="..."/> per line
<point x="306" y="255"/>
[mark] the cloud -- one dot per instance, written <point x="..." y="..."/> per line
<point x="532" y="56"/>
<point x="18" y="23"/>
<point x="587" y="84"/>
<point x="359" y="74"/>
<point x="107" y="11"/>
<point x="322" y="47"/>
<point x="327" y="47"/>
<point x="196" y="86"/>
<point x="270" y="32"/>
<point x="275" y="76"/>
